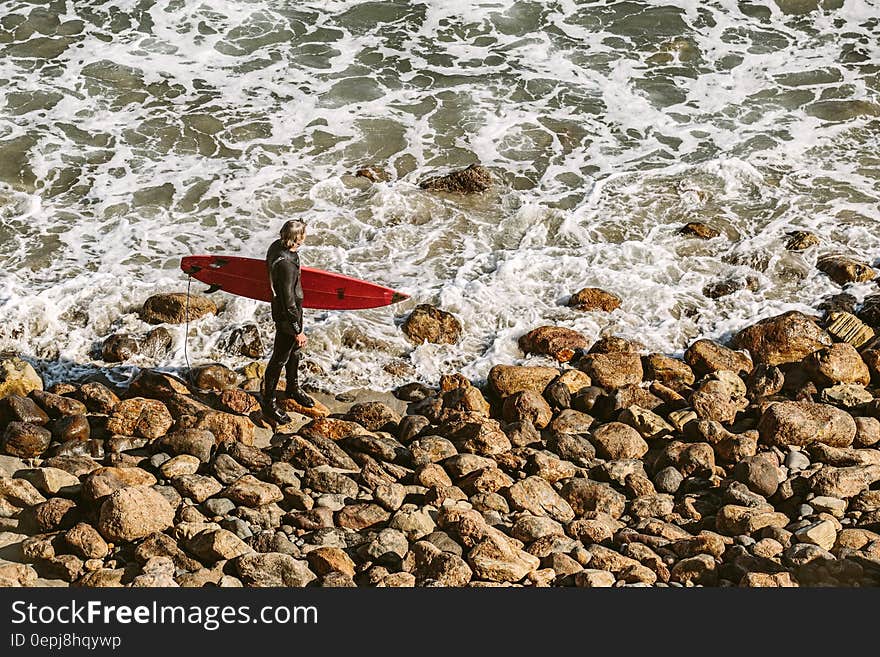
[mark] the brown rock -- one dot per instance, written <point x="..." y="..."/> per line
<point x="119" y="347"/>
<point x="498" y="560"/>
<point x="506" y="380"/>
<point x="843" y="270"/>
<point x="104" y="481"/>
<point x="427" y="323"/>
<point x="699" y="229"/>
<point x="612" y="370"/>
<point x="250" y="491"/>
<point x="133" y="513"/>
<point x="527" y="406"/>
<point x="786" y="338"/>
<point x="198" y="488"/>
<point x="735" y="520"/>
<point x="616" y="440"/>
<point x="670" y="371"/>
<point x="705" y="357"/>
<point x="593" y="298"/>
<point x="171" y="308"/>
<point x="472" y="180"/>
<point x="212" y="545"/>
<point x="373" y="416"/>
<point x="476" y="434"/>
<point x="72" y="427"/>
<point x="801" y="240"/>
<point x="25" y="440"/>
<point x="214" y="377"/>
<point x="272" y="570"/>
<point x="325" y="560"/>
<point x="535" y="495"/>
<point x="844" y="482"/>
<point x="225" y="427"/>
<point x="805" y="423"/>
<point x="555" y="341"/>
<point x="586" y="496"/>
<point x="839" y="363"/>
<point x="147" y="418"/>
<point x="57" y="406"/>
<point x="86" y="542"/>
<point x="361" y="515"/>
<point x="16" y="408"/>
<point x="18" y="377"/>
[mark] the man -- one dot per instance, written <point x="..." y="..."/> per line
<point x="282" y="261"/>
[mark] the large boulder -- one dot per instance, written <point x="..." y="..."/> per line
<point x="839" y="363"/>
<point x="803" y="423"/>
<point x="171" y="308"/>
<point x="786" y="338"/>
<point x="471" y="180"/>
<point x="147" y="418"/>
<point x="427" y="323"/>
<point x="17" y="377"/>
<point x="555" y="341"/>
<point x="133" y="513"/>
<point x="25" y="440"/>
<point x="843" y="270"/>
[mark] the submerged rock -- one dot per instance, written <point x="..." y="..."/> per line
<point x="472" y="180"/>
<point x="427" y="323"/>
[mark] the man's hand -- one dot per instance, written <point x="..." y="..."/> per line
<point x="301" y="340"/>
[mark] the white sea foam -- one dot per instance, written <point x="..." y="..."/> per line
<point x="167" y="128"/>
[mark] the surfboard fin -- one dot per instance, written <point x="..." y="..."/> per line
<point x="212" y="289"/>
<point x="398" y="296"/>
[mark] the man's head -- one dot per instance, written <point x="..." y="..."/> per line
<point x="293" y="234"/>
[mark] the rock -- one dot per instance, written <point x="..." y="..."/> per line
<point x="497" y="560"/>
<point x="700" y="569"/>
<point x="668" y="480"/>
<point x="18" y="377"/>
<point x="670" y="371"/>
<point x="198" y="488"/>
<point x="156" y="343"/>
<point x="373" y="173"/>
<point x="472" y="180"/>
<point x="846" y="395"/>
<point x="535" y="495"/>
<point x="476" y="434"/>
<point x="133" y="513"/>
<point x="648" y="424"/>
<point x="57" y="406"/>
<point x="612" y="370"/>
<point x="805" y="423"/>
<point x="801" y="240"/>
<point x="147" y="418"/>
<point x="468" y="398"/>
<point x="184" y="464"/>
<point x="555" y="341"/>
<point x="846" y="327"/>
<point x="765" y="380"/>
<point x="361" y="515"/>
<point x="72" y="428"/>
<point x="25" y="440"/>
<point x="706" y="356"/>
<point x="699" y="229"/>
<point x="839" y="363"/>
<point x="822" y="533"/>
<point x="227" y="428"/>
<point x="432" y="563"/>
<point x="213" y="545"/>
<point x="767" y="580"/>
<point x="273" y="569"/>
<point x="728" y="286"/>
<point x="586" y="496"/>
<point x="844" y="482"/>
<point x="324" y="560"/>
<point x="55" y="513"/>
<point x="529" y="406"/>
<point x="843" y="270"/>
<point x="326" y="480"/>
<point x="593" y="298"/>
<point x="786" y="338"/>
<point x="86" y="542"/>
<point x="506" y="380"/>
<point x="426" y="323"/>
<point x="245" y="341"/>
<point x="104" y="481"/>
<point x="214" y="377"/>
<point x="867" y="431"/>
<point x="19" y="493"/>
<point x="734" y="520"/>
<point x="431" y="449"/>
<point x="250" y="491"/>
<point x="616" y="440"/>
<point x="374" y="416"/>
<point x="593" y="578"/>
<point x="16" y="408"/>
<point x="119" y="348"/>
<point x="171" y="308"/>
<point x="195" y="442"/>
<point x="51" y="481"/>
<point x="759" y="474"/>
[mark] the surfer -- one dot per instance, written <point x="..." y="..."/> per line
<point x="282" y="261"/>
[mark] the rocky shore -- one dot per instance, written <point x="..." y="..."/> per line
<point x="754" y="463"/>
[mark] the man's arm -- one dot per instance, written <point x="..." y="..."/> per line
<point x="286" y="281"/>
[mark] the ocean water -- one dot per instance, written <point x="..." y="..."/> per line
<point x="133" y="132"/>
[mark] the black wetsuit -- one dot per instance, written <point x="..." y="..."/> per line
<point x="287" y="296"/>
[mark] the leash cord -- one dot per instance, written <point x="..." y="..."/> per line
<point x="186" y="334"/>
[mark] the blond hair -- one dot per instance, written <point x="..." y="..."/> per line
<point x="293" y="233"/>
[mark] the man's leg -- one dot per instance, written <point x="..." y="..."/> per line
<point x="294" y="392"/>
<point x="281" y="350"/>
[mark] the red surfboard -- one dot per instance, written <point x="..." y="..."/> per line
<point x="247" y="277"/>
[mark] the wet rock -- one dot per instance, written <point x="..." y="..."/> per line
<point x="699" y="229"/>
<point x="373" y="173"/>
<point x="843" y="270"/>
<point x="171" y="308"/>
<point x="156" y="343"/>
<point x="273" y="569"/>
<point x="427" y="323"/>
<point x="728" y="286"/>
<point x="147" y="418"/>
<point x="245" y="341"/>
<point x="612" y="370"/>
<point x="18" y="377"/>
<point x="801" y="240"/>
<point x="555" y="341"/>
<point x="706" y="356"/>
<point x="119" y="348"/>
<point x="15" y="408"/>
<point x="133" y="513"/>
<point x="506" y="380"/>
<point x="72" y="427"/>
<point x="805" y="423"/>
<point x="669" y="371"/>
<point x="472" y="180"/>
<point x="786" y="338"/>
<point x="25" y="440"/>
<point x="214" y="377"/>
<point x="593" y="299"/>
<point x="57" y="406"/>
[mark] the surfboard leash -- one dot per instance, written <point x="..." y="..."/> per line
<point x="186" y="334"/>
